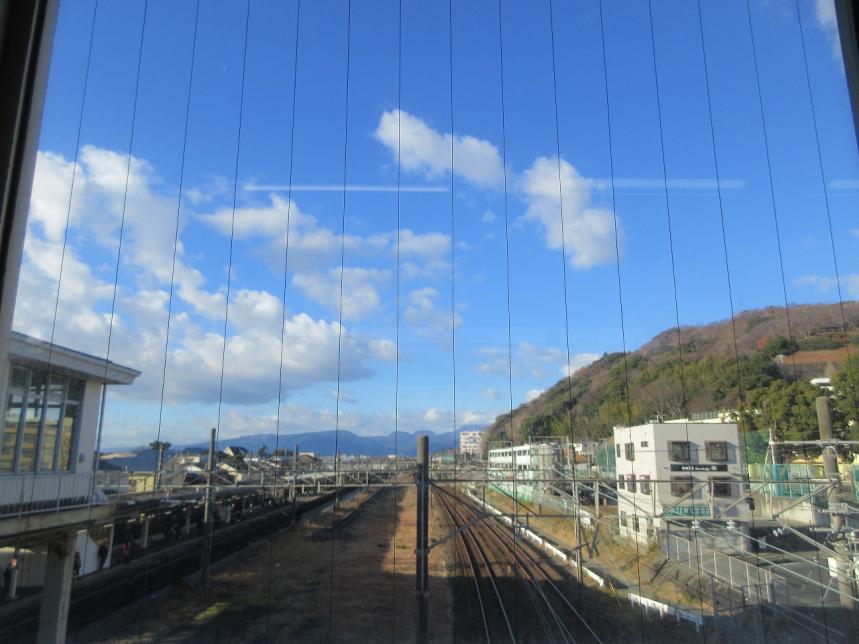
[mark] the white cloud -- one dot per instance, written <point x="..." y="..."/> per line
<point x="855" y="232"/>
<point x="824" y="12"/>
<point x="96" y="212"/>
<point x="361" y="295"/>
<point x="589" y="235"/>
<point x="421" y="312"/>
<point x="432" y="414"/>
<point x="850" y="283"/>
<point x="579" y="361"/>
<point x="531" y="361"/>
<point x="427" y="151"/>
<point x="310" y="244"/>
<point x="494" y="361"/>
<point x="491" y="394"/>
<point x="819" y="282"/>
<point x="488" y="217"/>
<point x="253" y="343"/>
<point x="533" y="394"/>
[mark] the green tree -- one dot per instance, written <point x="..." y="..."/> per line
<point x="779" y="345"/>
<point x="788" y="408"/>
<point x="845" y="398"/>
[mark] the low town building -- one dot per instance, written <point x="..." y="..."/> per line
<point x="679" y="471"/>
<point x="470" y="443"/>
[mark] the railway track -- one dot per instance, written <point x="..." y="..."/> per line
<point x="489" y="553"/>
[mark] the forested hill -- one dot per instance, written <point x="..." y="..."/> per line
<point x="709" y="376"/>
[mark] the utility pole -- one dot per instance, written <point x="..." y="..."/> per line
<point x="208" y="516"/>
<point x="294" y="482"/>
<point x="422" y="545"/>
<point x="830" y="467"/>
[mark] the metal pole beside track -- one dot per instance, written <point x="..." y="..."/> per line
<point x="422" y="539"/>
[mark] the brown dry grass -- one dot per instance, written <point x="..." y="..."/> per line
<point x="640" y="565"/>
<point x="284" y="589"/>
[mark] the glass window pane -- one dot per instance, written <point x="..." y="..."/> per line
<point x="70" y="424"/>
<point x="33" y="420"/>
<point x="52" y="423"/>
<point x="717" y="451"/>
<point x="14" y="402"/>
<point x="76" y="390"/>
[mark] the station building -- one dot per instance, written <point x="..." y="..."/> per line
<point x="679" y="471"/>
<point x="50" y="506"/>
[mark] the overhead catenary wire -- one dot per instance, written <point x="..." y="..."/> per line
<point x="331" y="630"/>
<point x="120" y="237"/>
<point x="69" y="204"/>
<point x="730" y="292"/>
<point x="664" y="167"/>
<point x="577" y="528"/>
<point x="283" y="309"/>
<point x="618" y="273"/>
<point x="240" y="119"/>
<point x="508" y="297"/>
<point x="452" y="255"/>
<point x="777" y="230"/>
<point x="395" y="526"/>
<point x="180" y="194"/>
<point x="567" y="365"/>
<point x="851" y="382"/>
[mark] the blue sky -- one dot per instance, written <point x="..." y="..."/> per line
<point x="470" y="195"/>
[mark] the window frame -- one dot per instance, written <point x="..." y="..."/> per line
<point x="717" y="482"/>
<point x="629" y="451"/>
<point x="646" y="488"/>
<point x="709" y="446"/>
<point x="691" y="481"/>
<point x="66" y="381"/>
<point x="671" y="453"/>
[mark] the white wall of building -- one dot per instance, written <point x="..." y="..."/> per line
<point x="469" y="443"/>
<point x="653" y="465"/>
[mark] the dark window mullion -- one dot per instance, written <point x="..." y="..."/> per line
<point x="58" y="443"/>
<point x="22" y="420"/>
<point x="40" y="435"/>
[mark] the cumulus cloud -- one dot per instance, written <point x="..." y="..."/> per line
<point x="311" y="244"/>
<point x="819" y="282"/>
<point x="530" y="360"/>
<point x="253" y="342"/>
<point x="490" y="394"/>
<point x="578" y="361"/>
<point x="824" y="283"/>
<point x="588" y="231"/>
<point x="422" y="313"/>
<point x="533" y="394"/>
<point x="361" y="295"/>
<point x="824" y="13"/>
<point x="425" y="150"/>
<point x="851" y="284"/>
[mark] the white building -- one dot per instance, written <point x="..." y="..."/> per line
<point x="678" y="471"/>
<point x="469" y="443"/>
<point x="528" y="462"/>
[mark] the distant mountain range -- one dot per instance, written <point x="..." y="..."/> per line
<point x="348" y="443"/>
<point x="322" y="443"/>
